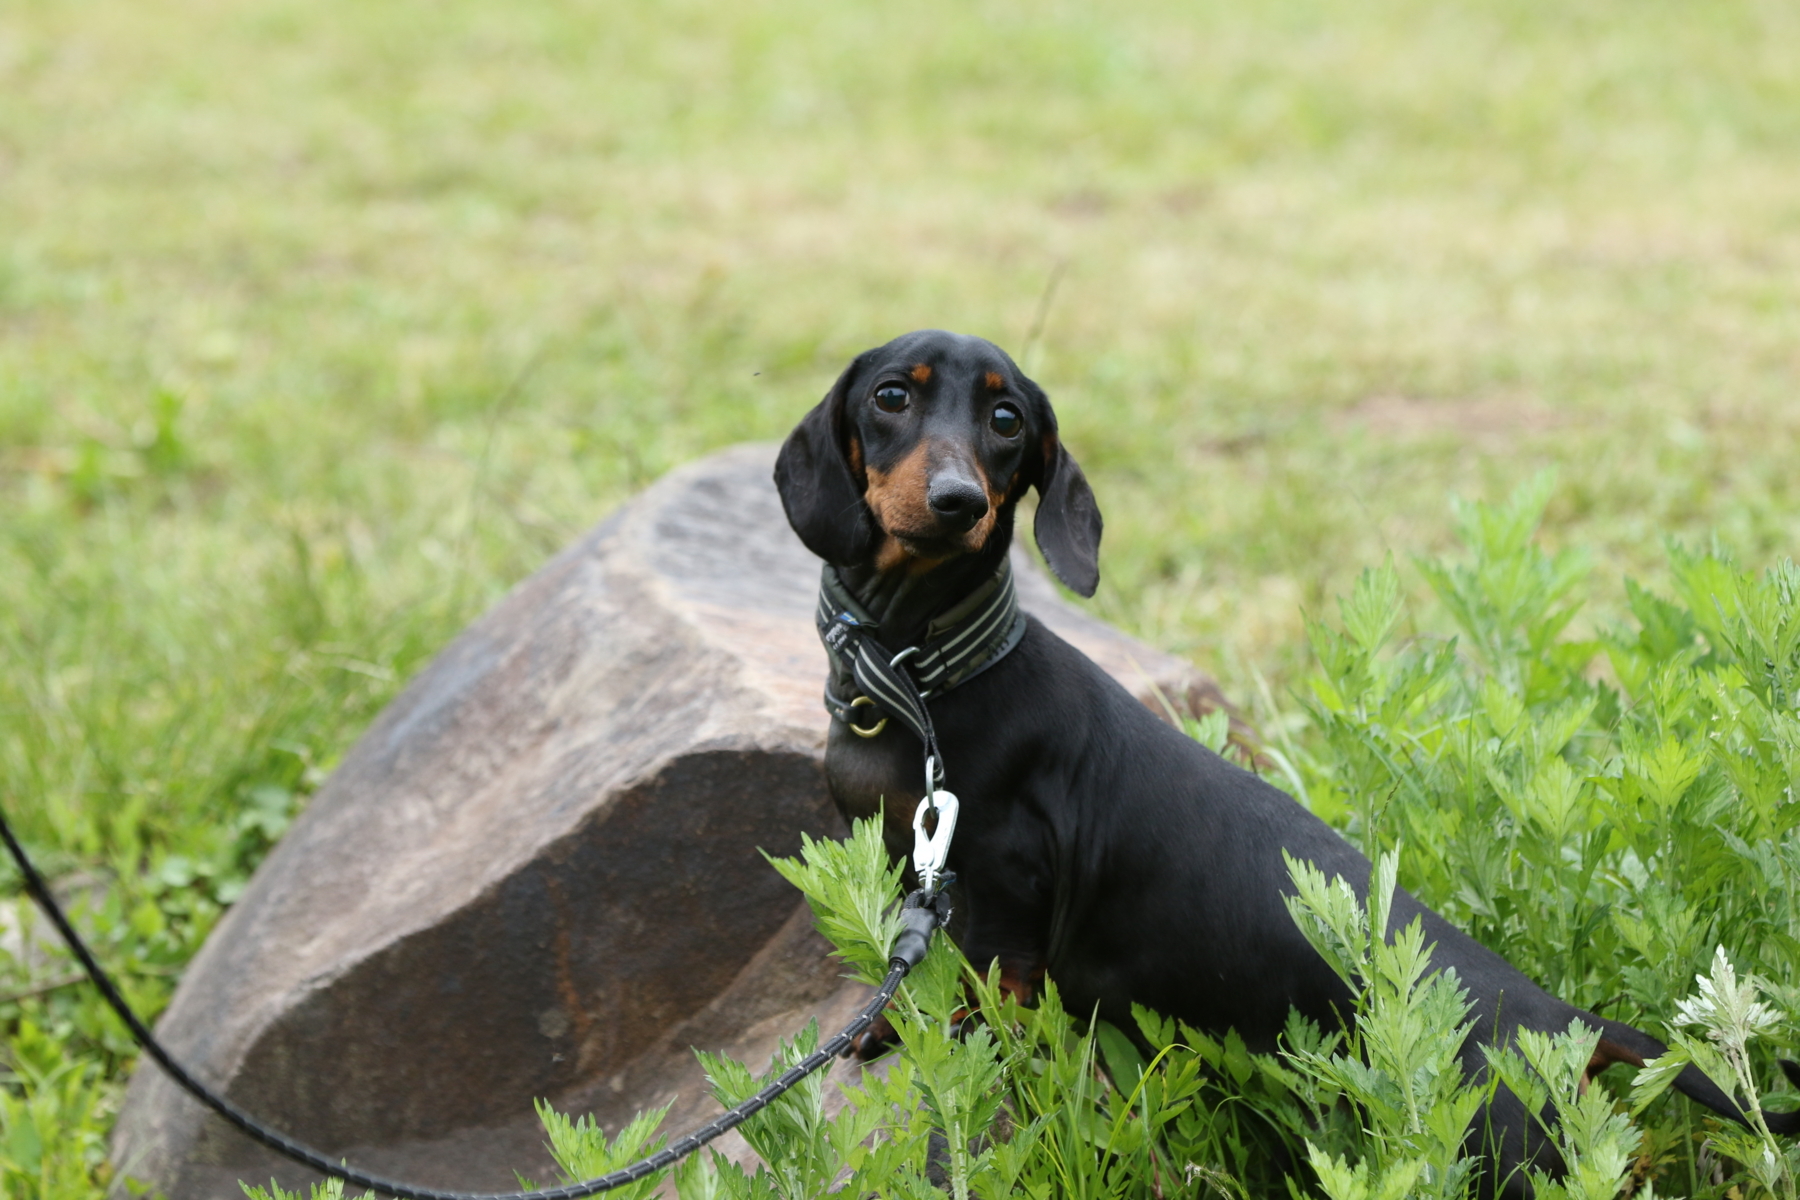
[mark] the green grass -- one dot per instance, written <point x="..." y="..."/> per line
<point x="321" y="324"/>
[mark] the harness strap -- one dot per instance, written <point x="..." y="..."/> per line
<point x="972" y="635"/>
<point x="967" y="639"/>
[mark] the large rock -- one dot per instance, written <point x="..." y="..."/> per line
<point x="537" y="875"/>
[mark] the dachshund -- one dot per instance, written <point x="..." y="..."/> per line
<point x="1095" y="841"/>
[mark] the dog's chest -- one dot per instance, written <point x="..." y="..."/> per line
<point x="883" y="774"/>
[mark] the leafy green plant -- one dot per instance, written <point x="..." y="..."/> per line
<point x="583" y="1150"/>
<point x="1731" y="1015"/>
<point x="1085" y="1114"/>
<point x="803" y="1151"/>
<point x="1595" y="1139"/>
<point x="331" y="1189"/>
<point x="54" y="1113"/>
<point x="1398" y="1063"/>
<point x="1602" y="810"/>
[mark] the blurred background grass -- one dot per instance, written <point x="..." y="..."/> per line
<point x="322" y="324"/>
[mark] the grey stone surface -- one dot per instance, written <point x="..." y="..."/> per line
<point x="537" y="874"/>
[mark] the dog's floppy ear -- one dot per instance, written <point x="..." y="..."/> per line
<point x="823" y="499"/>
<point x="1068" y="521"/>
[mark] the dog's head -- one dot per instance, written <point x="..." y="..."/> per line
<point x="918" y="453"/>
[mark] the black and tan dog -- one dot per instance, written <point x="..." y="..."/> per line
<point x="1095" y="841"/>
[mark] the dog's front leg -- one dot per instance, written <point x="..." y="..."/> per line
<point x="1021" y="976"/>
<point x="1006" y="927"/>
<point x="994" y="933"/>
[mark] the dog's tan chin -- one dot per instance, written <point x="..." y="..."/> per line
<point x="918" y="554"/>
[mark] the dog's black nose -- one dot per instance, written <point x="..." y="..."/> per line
<point x="957" y="502"/>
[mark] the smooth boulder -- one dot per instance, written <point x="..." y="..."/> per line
<point x="538" y="874"/>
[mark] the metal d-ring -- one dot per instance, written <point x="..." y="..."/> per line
<point x="858" y="730"/>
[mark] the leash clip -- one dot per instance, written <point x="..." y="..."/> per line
<point x="931" y="850"/>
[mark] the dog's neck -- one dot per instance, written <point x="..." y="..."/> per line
<point x="903" y="600"/>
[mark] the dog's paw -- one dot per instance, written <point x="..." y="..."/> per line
<point x="875" y="1041"/>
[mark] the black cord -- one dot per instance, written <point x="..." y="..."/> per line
<point x="919" y="917"/>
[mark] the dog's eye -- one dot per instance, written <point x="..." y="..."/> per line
<point x="890" y="398"/>
<point x="1006" y="420"/>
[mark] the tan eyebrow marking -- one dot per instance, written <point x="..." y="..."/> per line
<point x="994" y="382"/>
<point x="921" y="373"/>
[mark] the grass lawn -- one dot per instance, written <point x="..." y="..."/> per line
<point x="322" y="324"/>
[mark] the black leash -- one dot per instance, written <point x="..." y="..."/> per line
<point x="921" y="913"/>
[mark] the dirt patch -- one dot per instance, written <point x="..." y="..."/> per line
<point x="1483" y="420"/>
<point x="1083" y="203"/>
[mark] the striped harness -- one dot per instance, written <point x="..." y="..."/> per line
<point x="966" y="640"/>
